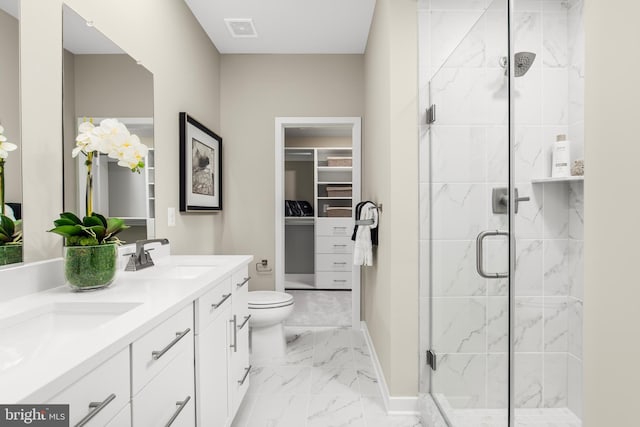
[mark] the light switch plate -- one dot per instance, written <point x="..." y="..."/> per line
<point x="171" y="217"/>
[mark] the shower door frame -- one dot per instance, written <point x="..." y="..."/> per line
<point x="511" y="209"/>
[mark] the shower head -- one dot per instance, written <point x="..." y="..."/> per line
<point x="522" y="62"/>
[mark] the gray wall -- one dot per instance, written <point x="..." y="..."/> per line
<point x="170" y="27"/>
<point x="611" y="295"/>
<point x="255" y="89"/>
<point x="390" y="177"/>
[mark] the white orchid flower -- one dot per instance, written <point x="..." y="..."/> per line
<point x="5" y="147"/>
<point x="113" y="138"/>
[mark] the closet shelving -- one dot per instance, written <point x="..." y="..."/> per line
<point x="322" y="243"/>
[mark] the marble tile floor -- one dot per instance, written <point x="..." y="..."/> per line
<point x="525" y="417"/>
<point x="326" y="379"/>
<point x="320" y="308"/>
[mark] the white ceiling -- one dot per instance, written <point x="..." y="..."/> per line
<point x="81" y="39"/>
<point x="288" y="26"/>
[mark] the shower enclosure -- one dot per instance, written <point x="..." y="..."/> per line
<point x="501" y="241"/>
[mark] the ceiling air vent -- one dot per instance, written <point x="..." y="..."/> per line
<point x="240" y="28"/>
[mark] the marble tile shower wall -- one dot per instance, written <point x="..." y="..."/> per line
<point x="464" y="156"/>
<point x="576" y="207"/>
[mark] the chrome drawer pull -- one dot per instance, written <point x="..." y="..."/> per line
<point x="224" y="298"/>
<point x="340" y="263"/>
<point x="234" y="346"/>
<point x="181" y="406"/>
<point x="158" y="354"/>
<point x="339" y="228"/>
<point x="246" y="319"/>
<point x="339" y="246"/>
<point x="246" y="374"/>
<point x="95" y="408"/>
<point x="339" y="281"/>
<point x="246" y="279"/>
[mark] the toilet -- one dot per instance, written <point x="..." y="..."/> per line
<point x="268" y="310"/>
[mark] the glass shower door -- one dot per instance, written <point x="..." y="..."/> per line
<point x="468" y="236"/>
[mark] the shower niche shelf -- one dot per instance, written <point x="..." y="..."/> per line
<point x="563" y="179"/>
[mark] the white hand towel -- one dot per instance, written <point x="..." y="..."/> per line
<point x="363" y="249"/>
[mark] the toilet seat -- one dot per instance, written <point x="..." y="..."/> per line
<point x="269" y="299"/>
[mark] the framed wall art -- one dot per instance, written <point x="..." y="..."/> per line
<point x="200" y="167"/>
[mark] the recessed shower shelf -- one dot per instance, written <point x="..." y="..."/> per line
<point x="563" y="179"/>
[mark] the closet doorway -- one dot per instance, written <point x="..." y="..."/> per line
<point x="317" y="188"/>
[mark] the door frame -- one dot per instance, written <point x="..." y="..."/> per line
<point x="282" y="123"/>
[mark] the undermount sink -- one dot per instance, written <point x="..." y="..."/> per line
<point x="49" y="327"/>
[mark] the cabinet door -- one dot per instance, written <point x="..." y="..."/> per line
<point x="212" y="372"/>
<point x="240" y="369"/>
<point x="108" y="385"/>
<point x="169" y="396"/>
<point x="123" y="419"/>
<point x="239" y="333"/>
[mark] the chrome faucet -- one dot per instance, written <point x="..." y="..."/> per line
<point x="141" y="258"/>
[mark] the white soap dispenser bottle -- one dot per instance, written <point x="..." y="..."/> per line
<point x="561" y="155"/>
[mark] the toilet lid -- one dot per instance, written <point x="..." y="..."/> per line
<point x="269" y="299"/>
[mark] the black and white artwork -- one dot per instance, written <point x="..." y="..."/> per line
<point x="200" y="167"/>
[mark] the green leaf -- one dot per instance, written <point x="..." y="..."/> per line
<point x="71" y="216"/>
<point x="101" y="217"/>
<point x="115" y="225"/>
<point x="99" y="231"/>
<point x="4" y="237"/>
<point x="7" y="225"/>
<point x="63" y="221"/>
<point x="90" y="221"/>
<point x="68" y="230"/>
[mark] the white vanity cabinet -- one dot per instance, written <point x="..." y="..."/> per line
<point x="99" y="396"/>
<point x="162" y="373"/>
<point x="213" y="317"/>
<point x="239" y="348"/>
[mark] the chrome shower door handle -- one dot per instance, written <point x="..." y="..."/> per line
<point x="480" y="254"/>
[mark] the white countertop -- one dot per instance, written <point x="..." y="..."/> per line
<point x="38" y="375"/>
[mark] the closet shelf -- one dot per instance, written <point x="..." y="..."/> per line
<point x="335" y="198"/>
<point x="562" y="179"/>
<point x="334" y="182"/>
<point x="335" y="168"/>
<point x="299" y="220"/>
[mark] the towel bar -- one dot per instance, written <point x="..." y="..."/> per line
<point x="364" y="222"/>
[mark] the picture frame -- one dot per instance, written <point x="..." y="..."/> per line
<point x="200" y="167"/>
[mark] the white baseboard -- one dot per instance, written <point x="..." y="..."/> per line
<point x="395" y="405"/>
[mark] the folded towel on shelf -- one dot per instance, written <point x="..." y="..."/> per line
<point x="363" y="248"/>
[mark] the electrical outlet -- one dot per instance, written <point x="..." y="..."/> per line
<point x="171" y="217"/>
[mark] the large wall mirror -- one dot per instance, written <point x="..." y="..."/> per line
<point x="10" y="144"/>
<point x="101" y="81"/>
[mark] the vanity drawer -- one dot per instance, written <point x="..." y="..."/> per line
<point x="154" y="351"/>
<point x="334" y="262"/>
<point x="107" y="384"/>
<point x="211" y="304"/>
<point x="334" y="245"/>
<point x="240" y="287"/>
<point x="334" y="227"/>
<point x="169" y="394"/>
<point x="333" y="280"/>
